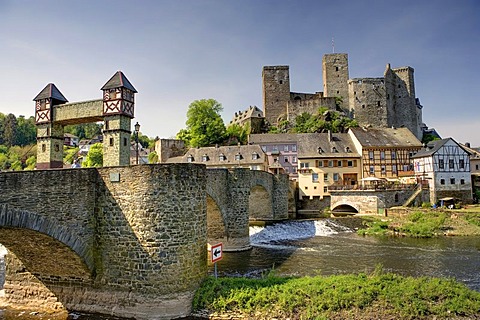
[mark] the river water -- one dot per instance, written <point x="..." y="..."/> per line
<point x="327" y="247"/>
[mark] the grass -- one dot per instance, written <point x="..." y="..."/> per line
<point x="425" y="223"/>
<point x="358" y="296"/>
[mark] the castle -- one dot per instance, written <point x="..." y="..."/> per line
<point x="388" y="101"/>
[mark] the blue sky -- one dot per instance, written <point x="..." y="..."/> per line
<point x="177" y="51"/>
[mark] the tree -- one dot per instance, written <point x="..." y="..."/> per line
<point x="26" y="131"/>
<point x="10" y="130"/>
<point x="94" y="157"/>
<point x="204" y="124"/>
<point x="237" y="134"/>
<point x="153" y="157"/>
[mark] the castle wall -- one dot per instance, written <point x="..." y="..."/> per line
<point x="169" y="148"/>
<point x="367" y="101"/>
<point x="335" y="76"/>
<point x="297" y="107"/>
<point x="276" y="92"/>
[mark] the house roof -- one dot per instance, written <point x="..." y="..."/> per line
<point x="266" y="138"/>
<point x="51" y="91"/>
<point x="118" y="80"/>
<point x="326" y="145"/>
<point x="251" y="112"/>
<point x="386" y="137"/>
<point x="213" y="155"/>
<point x="433" y="146"/>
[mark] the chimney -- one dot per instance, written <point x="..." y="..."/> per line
<point x="330" y="137"/>
<point x="467" y="144"/>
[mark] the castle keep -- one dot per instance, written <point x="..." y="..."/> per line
<point x="387" y="101"/>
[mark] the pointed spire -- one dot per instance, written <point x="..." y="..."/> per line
<point x="118" y="80"/>
<point x="51" y="91"/>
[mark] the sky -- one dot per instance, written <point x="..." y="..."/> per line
<point x="178" y="51"/>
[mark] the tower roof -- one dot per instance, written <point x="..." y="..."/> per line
<point x="118" y="80"/>
<point x="51" y="91"/>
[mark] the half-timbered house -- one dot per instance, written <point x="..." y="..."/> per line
<point x="445" y="166"/>
<point x="385" y="152"/>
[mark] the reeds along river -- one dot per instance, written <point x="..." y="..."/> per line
<point x="327" y="247"/>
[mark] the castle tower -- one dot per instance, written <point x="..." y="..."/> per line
<point x="403" y="111"/>
<point x="49" y="134"/>
<point x="335" y="77"/>
<point x="367" y="101"/>
<point x="276" y="92"/>
<point x="118" y="110"/>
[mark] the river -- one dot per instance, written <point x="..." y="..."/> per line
<point x="327" y="247"/>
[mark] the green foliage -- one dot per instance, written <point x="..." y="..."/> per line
<point x="324" y="297"/>
<point x="374" y="228"/>
<point x="85" y="130"/>
<point x="31" y="163"/>
<point x="204" y="124"/>
<point x="423" y="225"/>
<point x="473" y="218"/>
<point x="237" y="134"/>
<point x="429" y="137"/>
<point x="94" y="156"/>
<point x="69" y="154"/>
<point x="153" y="157"/>
<point x="426" y="205"/>
<point x="322" y="121"/>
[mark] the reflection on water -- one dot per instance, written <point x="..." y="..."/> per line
<point x="335" y="251"/>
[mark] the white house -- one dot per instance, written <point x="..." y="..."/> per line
<point x="445" y="166"/>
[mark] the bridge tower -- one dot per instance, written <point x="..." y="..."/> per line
<point x="118" y="110"/>
<point x="49" y="134"/>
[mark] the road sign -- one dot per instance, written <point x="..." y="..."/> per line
<point x="217" y="253"/>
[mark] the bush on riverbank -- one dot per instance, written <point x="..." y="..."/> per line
<point x="378" y="295"/>
<point x="424" y="224"/>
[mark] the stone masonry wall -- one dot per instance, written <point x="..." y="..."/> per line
<point x="138" y="233"/>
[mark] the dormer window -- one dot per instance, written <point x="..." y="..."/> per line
<point x="190" y="158"/>
<point x="319" y="150"/>
<point x="348" y="150"/>
<point x="222" y="157"/>
<point x="238" y="157"/>
<point x="204" y="158"/>
<point x="334" y="150"/>
<point x="255" y="156"/>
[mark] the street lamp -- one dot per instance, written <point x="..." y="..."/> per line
<point x="137" y="130"/>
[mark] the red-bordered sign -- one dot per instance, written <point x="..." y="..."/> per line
<point x="217" y="253"/>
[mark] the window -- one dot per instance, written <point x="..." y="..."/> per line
<point x="285" y="147"/>
<point x="382" y="155"/>
<point x="314" y="177"/>
<point x="294" y="169"/>
<point x="204" y="158"/>
<point x="462" y="181"/>
<point x="451" y="164"/>
<point x="294" y="147"/>
<point x="406" y="167"/>
<point x="285" y="159"/>
<point x="190" y="158"/>
<point x="294" y="159"/>
<point x="396" y="197"/>
<point x="350" y="163"/>
<point x="330" y="163"/>
<point x="394" y="168"/>
<point x="336" y="68"/>
<point x="255" y="156"/>
<point x="325" y="189"/>
<point x="44" y="147"/>
<point x="383" y="170"/>
<point x="238" y="157"/>
<point x="372" y="170"/>
<point x="370" y="155"/>
<point x="106" y="124"/>
<point x="452" y="180"/>
<point x="222" y="157"/>
<point x="124" y="142"/>
<point x="334" y="150"/>
<point x="264" y="148"/>
<point x="339" y="163"/>
<point x="442" y="181"/>
<point x="325" y="177"/>
<point x="378" y="103"/>
<point x="461" y="163"/>
<point x="287" y="170"/>
<point x="111" y="142"/>
<point x="314" y="187"/>
<point x="274" y="148"/>
<point x="476" y="167"/>
<point x="336" y="177"/>
<point x="304" y="165"/>
<point x="441" y="165"/>
<point x="306" y="187"/>
<point x="394" y="155"/>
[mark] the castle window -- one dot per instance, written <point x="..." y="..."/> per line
<point x="363" y="106"/>
<point x="396" y="197"/>
<point x="57" y="148"/>
<point x="124" y="142"/>
<point x="338" y="92"/>
<point x="281" y="81"/>
<point x="336" y="68"/>
<point x="106" y="124"/>
<point x="399" y="86"/>
<point x="388" y="96"/>
<point x="452" y="180"/>
<point x="442" y="181"/>
<point x="462" y="181"/>
<point x="111" y="142"/>
<point x="44" y="147"/>
<point x="378" y="103"/>
<point x="363" y="91"/>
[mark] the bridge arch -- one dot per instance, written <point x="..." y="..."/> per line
<point x="345" y="208"/>
<point x="15" y="219"/>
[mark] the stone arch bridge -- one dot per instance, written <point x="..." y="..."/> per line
<point x="127" y="241"/>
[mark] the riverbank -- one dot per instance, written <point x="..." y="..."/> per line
<point x="424" y="223"/>
<point x="357" y="296"/>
